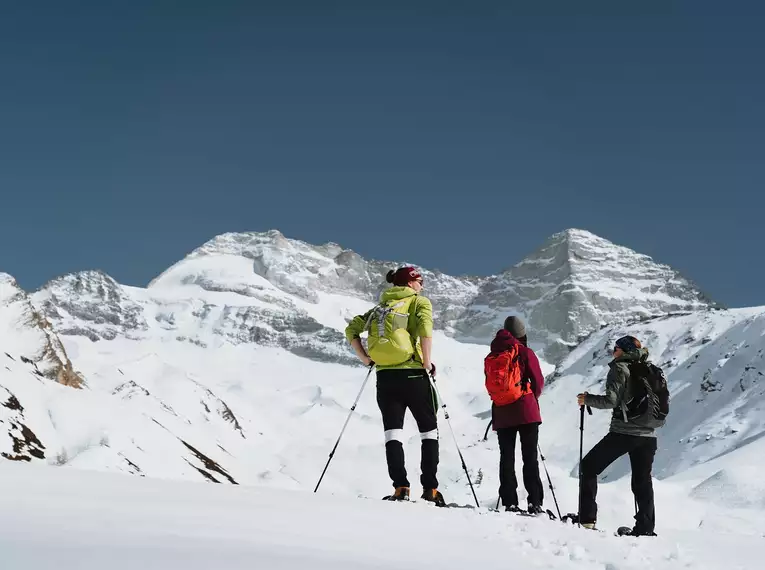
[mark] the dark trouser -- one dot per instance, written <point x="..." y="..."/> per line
<point x="605" y="452"/>
<point x="398" y="390"/>
<point x="508" y="484"/>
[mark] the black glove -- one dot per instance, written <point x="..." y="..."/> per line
<point x="432" y="370"/>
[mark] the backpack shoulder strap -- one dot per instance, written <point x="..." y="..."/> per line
<point x="374" y="311"/>
<point x="381" y="310"/>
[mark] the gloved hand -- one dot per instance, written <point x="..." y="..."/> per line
<point x="432" y="370"/>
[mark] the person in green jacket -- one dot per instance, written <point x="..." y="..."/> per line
<point x="400" y="340"/>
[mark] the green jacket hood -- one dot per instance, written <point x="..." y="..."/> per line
<point x="395" y="293"/>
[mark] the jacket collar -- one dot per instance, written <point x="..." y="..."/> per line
<point x="503" y="341"/>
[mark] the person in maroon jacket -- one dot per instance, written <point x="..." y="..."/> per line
<point x="521" y="417"/>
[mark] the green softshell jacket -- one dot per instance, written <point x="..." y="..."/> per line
<point x="420" y="323"/>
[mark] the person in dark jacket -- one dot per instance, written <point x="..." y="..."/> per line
<point x="623" y="437"/>
<point x="522" y="418"/>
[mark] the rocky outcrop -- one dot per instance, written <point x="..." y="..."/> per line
<point x="30" y="336"/>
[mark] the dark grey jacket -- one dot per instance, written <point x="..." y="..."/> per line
<point x="616" y="395"/>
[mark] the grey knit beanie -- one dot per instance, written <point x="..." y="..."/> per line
<point x="514" y="325"/>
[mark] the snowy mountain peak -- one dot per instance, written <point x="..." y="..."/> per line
<point x="92" y="304"/>
<point x="574" y="284"/>
<point x="294" y="266"/>
<point x="574" y="247"/>
<point x="252" y="244"/>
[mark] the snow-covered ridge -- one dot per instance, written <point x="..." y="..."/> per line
<point x="573" y="285"/>
<point x="214" y="300"/>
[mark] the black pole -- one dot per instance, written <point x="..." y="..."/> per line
<point x="549" y="481"/>
<point x="488" y="427"/>
<point x="581" y="450"/>
<point x="581" y="453"/>
<point x="486" y="438"/>
<point x="345" y="425"/>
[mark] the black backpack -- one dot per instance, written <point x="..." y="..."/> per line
<point x="648" y="403"/>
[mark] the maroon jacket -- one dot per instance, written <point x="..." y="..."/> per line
<point x="525" y="410"/>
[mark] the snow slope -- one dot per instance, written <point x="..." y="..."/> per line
<point x="164" y="407"/>
<point x="91" y="521"/>
<point x="232" y="367"/>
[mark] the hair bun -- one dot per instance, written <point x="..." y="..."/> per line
<point x="389" y="276"/>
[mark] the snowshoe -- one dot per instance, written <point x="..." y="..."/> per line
<point x="573" y="518"/>
<point x="459" y="506"/>
<point x="533" y="511"/>
<point x="627" y="531"/>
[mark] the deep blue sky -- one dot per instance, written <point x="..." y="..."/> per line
<point x="456" y="137"/>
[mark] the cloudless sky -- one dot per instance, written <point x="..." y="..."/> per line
<point x="458" y="135"/>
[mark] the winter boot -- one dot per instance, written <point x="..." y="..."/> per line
<point x="433" y="496"/>
<point x="400" y="494"/>
<point x="535" y="510"/>
<point x="513" y="509"/>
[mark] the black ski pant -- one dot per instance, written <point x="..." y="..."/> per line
<point x="642" y="451"/>
<point x="398" y="390"/>
<point x="508" y="484"/>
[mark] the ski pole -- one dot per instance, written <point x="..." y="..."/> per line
<point x="348" y="419"/>
<point x="462" y="459"/>
<point x="581" y="453"/>
<point x="488" y="427"/>
<point x="486" y="438"/>
<point x="552" y="490"/>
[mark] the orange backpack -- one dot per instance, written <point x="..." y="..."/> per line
<point x="504" y="372"/>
